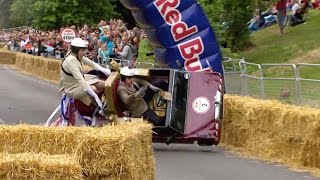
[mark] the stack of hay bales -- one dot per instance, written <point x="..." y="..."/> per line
<point x="272" y="130"/>
<point x="123" y="151"/>
<point x="46" y="68"/>
<point x="7" y="57"/>
<point x="39" y="166"/>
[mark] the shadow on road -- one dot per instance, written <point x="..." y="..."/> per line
<point x="186" y="148"/>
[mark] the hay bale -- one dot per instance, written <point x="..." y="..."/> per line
<point x="122" y="151"/>
<point x="20" y="61"/>
<point x="27" y="138"/>
<point x="122" y="154"/>
<point x="272" y="130"/>
<point x="7" y="57"/>
<point x="48" y="69"/>
<point x="39" y="166"/>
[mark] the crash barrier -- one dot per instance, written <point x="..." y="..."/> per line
<point x="129" y="63"/>
<point x="39" y="166"/>
<point x="14" y="29"/>
<point x="7" y="57"/>
<point x="273" y="131"/>
<point x="39" y="66"/>
<point x="284" y="82"/>
<point x="123" y="151"/>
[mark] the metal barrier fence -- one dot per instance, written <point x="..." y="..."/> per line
<point x="14" y="29"/>
<point x="284" y="82"/>
<point x="137" y="64"/>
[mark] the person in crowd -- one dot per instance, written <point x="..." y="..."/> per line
<point x="24" y="40"/>
<point x="104" y="54"/>
<point x="127" y="54"/>
<point x="296" y="16"/>
<point x="73" y="83"/>
<point x="257" y="21"/>
<point x="316" y="4"/>
<point x="135" y="94"/>
<point x="94" y="46"/>
<point x="281" y="8"/>
<point x="305" y="7"/>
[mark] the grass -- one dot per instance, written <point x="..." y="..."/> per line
<point x="270" y="47"/>
<point x="300" y="44"/>
<point x="145" y="48"/>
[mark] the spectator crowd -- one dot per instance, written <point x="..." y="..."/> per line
<point x="109" y="39"/>
<point x="112" y="39"/>
<point x="295" y="13"/>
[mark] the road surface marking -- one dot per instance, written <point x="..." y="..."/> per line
<point x="26" y="77"/>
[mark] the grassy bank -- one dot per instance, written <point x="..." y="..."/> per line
<point x="270" y="47"/>
<point x="299" y="44"/>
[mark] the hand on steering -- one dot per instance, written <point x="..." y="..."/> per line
<point x="154" y="88"/>
<point x="142" y="91"/>
<point x="105" y="71"/>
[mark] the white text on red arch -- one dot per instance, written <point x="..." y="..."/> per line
<point x="190" y="50"/>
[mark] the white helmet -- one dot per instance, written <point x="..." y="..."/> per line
<point x="78" y="42"/>
<point x="126" y="71"/>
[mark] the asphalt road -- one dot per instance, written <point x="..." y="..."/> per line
<point x="27" y="99"/>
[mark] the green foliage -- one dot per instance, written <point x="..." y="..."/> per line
<point x="229" y="20"/>
<point x="20" y="12"/>
<point x="50" y="14"/>
<point x="5" y="13"/>
<point x="214" y="11"/>
<point x="236" y="15"/>
<point x="145" y="48"/>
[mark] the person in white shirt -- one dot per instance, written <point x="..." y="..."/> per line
<point x="296" y="16"/>
<point x="24" y="41"/>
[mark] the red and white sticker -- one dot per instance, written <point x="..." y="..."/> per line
<point x="201" y="105"/>
<point x="67" y="35"/>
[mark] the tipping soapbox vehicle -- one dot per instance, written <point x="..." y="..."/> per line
<point x="193" y="111"/>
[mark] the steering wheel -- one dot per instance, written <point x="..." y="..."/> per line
<point x="159" y="100"/>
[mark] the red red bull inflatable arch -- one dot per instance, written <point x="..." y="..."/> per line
<point x="180" y="33"/>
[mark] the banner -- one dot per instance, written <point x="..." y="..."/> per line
<point x="180" y="33"/>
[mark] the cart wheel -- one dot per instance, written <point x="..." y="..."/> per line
<point x="206" y="142"/>
<point x="170" y="140"/>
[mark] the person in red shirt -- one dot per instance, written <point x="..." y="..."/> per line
<point x="281" y="14"/>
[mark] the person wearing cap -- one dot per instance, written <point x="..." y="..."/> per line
<point x="133" y="95"/>
<point x="73" y="83"/>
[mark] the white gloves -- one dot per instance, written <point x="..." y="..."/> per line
<point x="95" y="96"/>
<point x="105" y="71"/>
<point x="141" y="92"/>
<point x="154" y="88"/>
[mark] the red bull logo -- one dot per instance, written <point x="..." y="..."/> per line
<point x="172" y="17"/>
<point x="180" y="32"/>
<point x="191" y="50"/>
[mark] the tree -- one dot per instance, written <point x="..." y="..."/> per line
<point x="229" y="20"/>
<point x="51" y="14"/>
<point x="5" y="13"/>
<point x="236" y="15"/>
<point x="21" y="12"/>
<point x="214" y="11"/>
